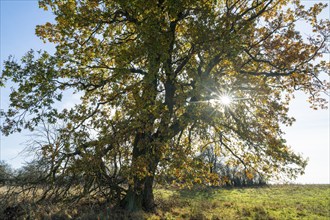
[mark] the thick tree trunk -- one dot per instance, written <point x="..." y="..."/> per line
<point x="140" y="193"/>
<point x="132" y="201"/>
<point x="148" y="201"/>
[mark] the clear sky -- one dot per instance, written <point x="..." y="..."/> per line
<point x="309" y="135"/>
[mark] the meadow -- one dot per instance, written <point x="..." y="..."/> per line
<point x="268" y="202"/>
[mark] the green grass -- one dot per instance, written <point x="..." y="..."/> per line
<point x="274" y="202"/>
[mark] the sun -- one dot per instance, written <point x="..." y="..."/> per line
<point x="225" y="100"/>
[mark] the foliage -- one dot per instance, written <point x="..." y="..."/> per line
<point x="151" y="74"/>
<point x="230" y="175"/>
<point x="215" y="169"/>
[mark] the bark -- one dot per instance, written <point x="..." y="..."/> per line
<point x="140" y="196"/>
<point x="140" y="193"/>
<point x="148" y="201"/>
<point x="132" y="201"/>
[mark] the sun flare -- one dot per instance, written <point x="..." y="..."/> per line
<point x="225" y="100"/>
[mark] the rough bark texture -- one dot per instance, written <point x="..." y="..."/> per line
<point x="148" y="201"/>
<point x="140" y="195"/>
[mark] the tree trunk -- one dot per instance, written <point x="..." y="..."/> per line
<point x="140" y="193"/>
<point x="140" y="196"/>
<point x="148" y="202"/>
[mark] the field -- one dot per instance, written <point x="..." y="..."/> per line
<point x="275" y="202"/>
<point x="269" y="202"/>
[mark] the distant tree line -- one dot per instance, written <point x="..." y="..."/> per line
<point x="30" y="173"/>
<point x="6" y="172"/>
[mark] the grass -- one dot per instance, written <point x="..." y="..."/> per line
<point x="273" y="202"/>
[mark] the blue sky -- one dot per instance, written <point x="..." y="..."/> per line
<point x="309" y="135"/>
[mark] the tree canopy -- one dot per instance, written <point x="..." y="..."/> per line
<point x="160" y="81"/>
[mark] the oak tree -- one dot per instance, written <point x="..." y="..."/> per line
<point x="162" y="80"/>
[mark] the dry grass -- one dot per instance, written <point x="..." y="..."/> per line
<point x="3" y="189"/>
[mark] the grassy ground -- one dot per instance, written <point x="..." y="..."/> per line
<point x="273" y="202"/>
